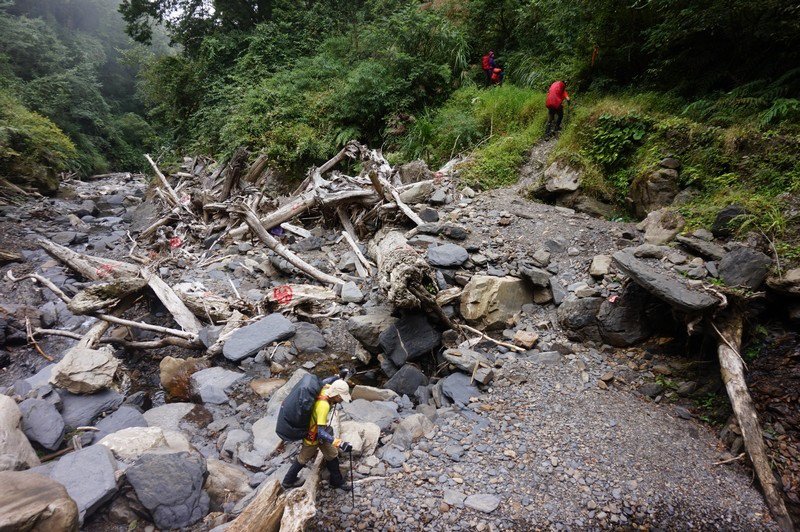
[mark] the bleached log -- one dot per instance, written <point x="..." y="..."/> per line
<point x="731" y="367"/>
<point x="180" y="313"/>
<point x="170" y="192"/>
<point x="300" y="507"/>
<point x="297" y="230"/>
<point x="261" y="232"/>
<point x="126" y="344"/>
<point x="203" y="302"/>
<point x="289" y="296"/>
<point x="102" y="296"/>
<point x="363" y="266"/>
<point x="399" y="268"/>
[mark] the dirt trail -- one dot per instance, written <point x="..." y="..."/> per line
<point x="551" y="445"/>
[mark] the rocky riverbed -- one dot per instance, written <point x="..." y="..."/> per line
<point x="584" y="417"/>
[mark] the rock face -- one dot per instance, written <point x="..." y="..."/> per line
<point x="249" y="340"/>
<point x="409" y="338"/>
<point x="628" y="320"/>
<point x="447" y="255"/>
<point x="42" y="423"/>
<point x="81" y="410"/>
<point x="744" y="267"/>
<point x="86" y="370"/>
<point x="225" y="483"/>
<point x="15" y="449"/>
<point x="89" y="477"/>
<point x="579" y="317"/>
<point x="406" y="380"/>
<point x="33" y="502"/>
<point x="654" y="191"/>
<point x="666" y="288"/>
<point x="493" y="301"/>
<point x="210" y="384"/>
<point x="368" y="328"/>
<point x="661" y="226"/>
<point x="170" y="486"/>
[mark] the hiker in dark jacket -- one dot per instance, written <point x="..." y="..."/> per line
<point x="320" y="437"/>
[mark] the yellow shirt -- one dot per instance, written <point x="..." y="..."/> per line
<point x="319" y="417"/>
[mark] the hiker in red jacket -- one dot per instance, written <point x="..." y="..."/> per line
<point x="487" y="63"/>
<point x="555" y="107"/>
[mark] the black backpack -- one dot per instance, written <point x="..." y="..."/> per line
<point x="295" y="411"/>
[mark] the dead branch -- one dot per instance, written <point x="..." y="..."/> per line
<point x="33" y="341"/>
<point x="363" y="266"/>
<point x="490" y="339"/>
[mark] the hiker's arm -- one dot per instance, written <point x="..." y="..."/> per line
<point x="325" y="434"/>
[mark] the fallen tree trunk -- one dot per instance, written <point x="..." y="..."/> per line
<point x="400" y="268"/>
<point x="273" y="509"/>
<point x="731" y="367"/>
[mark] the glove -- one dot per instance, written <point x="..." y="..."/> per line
<point x="346" y="446"/>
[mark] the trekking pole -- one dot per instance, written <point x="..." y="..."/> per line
<point x="352" y="483"/>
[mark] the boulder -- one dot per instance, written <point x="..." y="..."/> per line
<point x="126" y="417"/>
<point x="225" y="484"/>
<point x="721" y="228"/>
<point x="170" y="486"/>
<point x="702" y="247"/>
<point x="417" y="193"/>
<point x="459" y="389"/>
<point x="168" y="416"/>
<point x="86" y="370"/>
<point x="210" y="384"/>
<point x="410" y="429"/>
<point x="559" y="178"/>
<point x="483" y="502"/>
<point x="744" y="267"/>
<point x="351" y="293"/>
<point x="601" y="265"/>
<point x="249" y="340"/>
<point x="409" y="338"/>
<point x="406" y="380"/>
<point x="579" y="317"/>
<point x="15" y="449"/>
<point x="414" y="172"/>
<point x="381" y="413"/>
<point x="537" y="276"/>
<point x="653" y="191"/>
<point x="464" y="359"/>
<point x="661" y="226"/>
<point x="89" y="475"/>
<point x="131" y="443"/>
<point x="587" y="204"/>
<point x="266" y="387"/>
<point x="81" y="410"/>
<point x="628" y="320"/>
<point x="665" y="287"/>
<point x="363" y="435"/>
<point x="788" y="283"/>
<point x="42" y="423"/>
<point x="447" y="255"/>
<point x="368" y="328"/>
<point x="493" y="301"/>
<point x="176" y="373"/>
<point x="32" y="502"/>
<point x="265" y="440"/>
<point x="370" y="393"/>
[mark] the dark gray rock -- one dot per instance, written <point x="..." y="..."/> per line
<point x="454" y="232"/>
<point x="368" y="328"/>
<point x="667" y="288"/>
<point x="42" y="423"/>
<point x="170" y="486"/>
<point x="537" y="276"/>
<point x="458" y="388"/>
<point x="721" y="228"/>
<point x="81" y="410"/>
<point x="210" y="384"/>
<point x="579" y="317"/>
<point x="312" y="243"/>
<point x="558" y="290"/>
<point x="429" y="215"/>
<point x="308" y="338"/>
<point x="651" y="389"/>
<point x="447" y="255"/>
<point x="406" y="380"/>
<point x="704" y="248"/>
<point x="744" y="267"/>
<point x="89" y="475"/>
<point x="409" y="338"/>
<point x="628" y="320"/>
<point x="249" y="340"/>
<point x="382" y="413"/>
<point x="65" y="238"/>
<point x="124" y="418"/>
<point x="86" y="208"/>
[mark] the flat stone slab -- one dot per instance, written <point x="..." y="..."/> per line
<point x="249" y="340"/>
<point x="210" y="384"/>
<point x="124" y="418"/>
<point x="42" y="423"/>
<point x="89" y="476"/>
<point x="483" y="502"/>
<point x="702" y="247"/>
<point x="667" y="288"/>
<point x="168" y="416"/>
<point x="81" y="410"/>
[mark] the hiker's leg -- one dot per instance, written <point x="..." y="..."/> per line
<point x="331" y="455"/>
<point x="488" y="77"/>
<point x="307" y="454"/>
<point x="549" y="125"/>
<point x="560" y="116"/>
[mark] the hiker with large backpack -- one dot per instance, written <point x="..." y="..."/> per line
<point x="307" y="413"/>
<point x="487" y="63"/>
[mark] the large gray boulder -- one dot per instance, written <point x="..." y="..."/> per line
<point x="32" y="502"/>
<point x="42" y="423"/>
<point x="126" y="417"/>
<point x="249" y="340"/>
<point x="559" y="178"/>
<point x="86" y="370"/>
<point x="578" y="316"/>
<point x="665" y="287"/>
<point x="89" y="475"/>
<point x="406" y="380"/>
<point x="629" y="319"/>
<point x="15" y="449"/>
<point x="170" y="486"/>
<point x="722" y="226"/>
<point x="744" y="267"/>
<point x="447" y="255"/>
<point x="492" y="301"/>
<point x="368" y="328"/>
<point x="211" y="384"/>
<point x="308" y="338"/>
<point x="81" y="410"/>
<point x="409" y="338"/>
<point x="381" y="413"/>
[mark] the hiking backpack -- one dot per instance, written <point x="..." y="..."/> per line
<point x="292" y="424"/>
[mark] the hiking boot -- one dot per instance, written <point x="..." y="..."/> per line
<point x="336" y="479"/>
<point x="290" y="480"/>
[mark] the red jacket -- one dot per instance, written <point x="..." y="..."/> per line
<point x="556" y="95"/>
<point x="487" y="62"/>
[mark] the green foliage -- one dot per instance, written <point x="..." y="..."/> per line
<point x="614" y="138"/>
<point x="497" y="164"/>
<point x="32" y="148"/>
